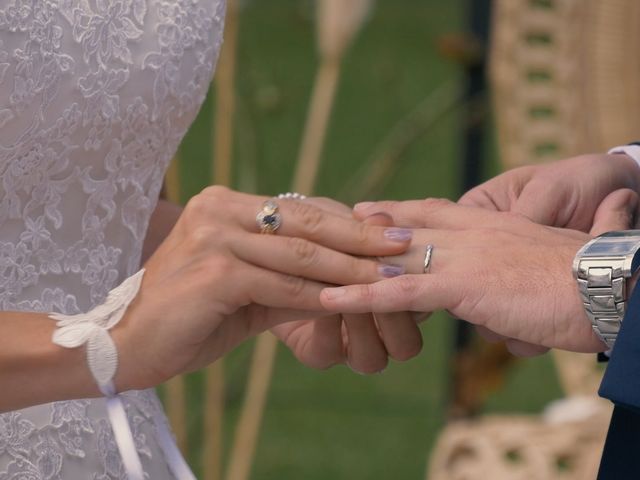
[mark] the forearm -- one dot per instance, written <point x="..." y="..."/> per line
<point x="161" y="223"/>
<point x="33" y="370"/>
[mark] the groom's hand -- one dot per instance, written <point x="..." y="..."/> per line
<point x="566" y="193"/>
<point x="497" y="270"/>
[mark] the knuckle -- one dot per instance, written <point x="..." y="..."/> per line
<point x="216" y="191"/>
<point x="202" y="237"/>
<point x="219" y="267"/>
<point x="435" y="203"/>
<point x="197" y="209"/>
<point x="365" y="271"/>
<point x="311" y="218"/>
<point x="295" y="285"/>
<point x="406" y="289"/>
<point x="387" y="206"/>
<point x="363" y="234"/>
<point x="405" y="286"/>
<point x="366" y="293"/>
<point x="305" y="252"/>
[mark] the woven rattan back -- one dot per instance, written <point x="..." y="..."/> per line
<point x="565" y="76"/>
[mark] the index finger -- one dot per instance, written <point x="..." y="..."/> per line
<point x="302" y="219"/>
<point x="414" y="293"/>
<point x="345" y="234"/>
<point x="439" y="213"/>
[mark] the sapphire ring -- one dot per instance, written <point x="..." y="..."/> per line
<point x="269" y="219"/>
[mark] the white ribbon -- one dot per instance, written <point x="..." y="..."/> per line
<point x="92" y="328"/>
<point x="123" y="434"/>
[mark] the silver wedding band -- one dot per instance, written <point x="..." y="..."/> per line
<point x="428" y="253"/>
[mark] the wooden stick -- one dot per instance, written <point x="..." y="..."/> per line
<point x="225" y="100"/>
<point x="175" y="399"/>
<point x="248" y="426"/>
<point x="172" y="180"/>
<point x="223" y="155"/>
<point x="213" y="421"/>
<point x="370" y="179"/>
<point x="316" y="128"/>
<point x="335" y="33"/>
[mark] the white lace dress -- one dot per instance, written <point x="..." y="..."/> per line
<point x="95" y="96"/>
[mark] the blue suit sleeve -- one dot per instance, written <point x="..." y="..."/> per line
<point x="621" y="382"/>
<point x="621" y="385"/>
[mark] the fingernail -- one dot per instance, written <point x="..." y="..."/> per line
<point x="333" y="293"/>
<point x="362" y="205"/>
<point x="364" y="374"/>
<point x="390" y="271"/>
<point x="398" y="234"/>
<point x="354" y="370"/>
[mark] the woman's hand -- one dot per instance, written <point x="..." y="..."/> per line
<point x="496" y="270"/>
<point x="565" y="193"/>
<point x="362" y="341"/>
<point x="216" y="281"/>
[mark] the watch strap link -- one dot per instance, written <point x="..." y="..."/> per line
<point x="602" y="287"/>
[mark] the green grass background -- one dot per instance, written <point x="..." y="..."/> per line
<point x="336" y="424"/>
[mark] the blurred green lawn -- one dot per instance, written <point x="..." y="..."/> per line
<point x="336" y="424"/>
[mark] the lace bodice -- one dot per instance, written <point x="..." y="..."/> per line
<point x="95" y="96"/>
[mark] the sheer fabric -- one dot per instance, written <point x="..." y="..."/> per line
<point x="95" y="96"/>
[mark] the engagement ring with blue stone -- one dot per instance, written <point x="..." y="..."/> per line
<point x="268" y="219"/>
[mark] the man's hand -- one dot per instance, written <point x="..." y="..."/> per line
<point x="564" y="194"/>
<point x="497" y="270"/>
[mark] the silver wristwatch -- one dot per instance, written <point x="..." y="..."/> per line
<point x="601" y="269"/>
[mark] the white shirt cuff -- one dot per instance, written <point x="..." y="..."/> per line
<point x="632" y="151"/>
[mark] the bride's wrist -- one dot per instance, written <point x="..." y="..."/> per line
<point x="125" y="376"/>
<point x="131" y="373"/>
<point x="34" y="369"/>
<point x="92" y="332"/>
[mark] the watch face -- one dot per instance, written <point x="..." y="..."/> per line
<point x="614" y="243"/>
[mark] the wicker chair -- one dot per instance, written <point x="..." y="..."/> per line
<point x="566" y="80"/>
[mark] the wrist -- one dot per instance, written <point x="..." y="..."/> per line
<point x="92" y="330"/>
<point x="37" y="371"/>
<point x="130" y="374"/>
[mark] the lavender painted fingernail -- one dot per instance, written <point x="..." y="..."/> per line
<point x="398" y="234"/>
<point x="390" y="271"/>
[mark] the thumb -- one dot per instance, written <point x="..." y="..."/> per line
<point x="541" y="204"/>
<point x="616" y="212"/>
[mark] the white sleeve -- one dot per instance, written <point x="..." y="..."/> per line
<point x="632" y="151"/>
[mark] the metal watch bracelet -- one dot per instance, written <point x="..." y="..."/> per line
<point x="602" y="286"/>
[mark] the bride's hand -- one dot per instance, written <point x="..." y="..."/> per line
<point x="361" y="341"/>
<point x="496" y="270"/>
<point x="216" y="281"/>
